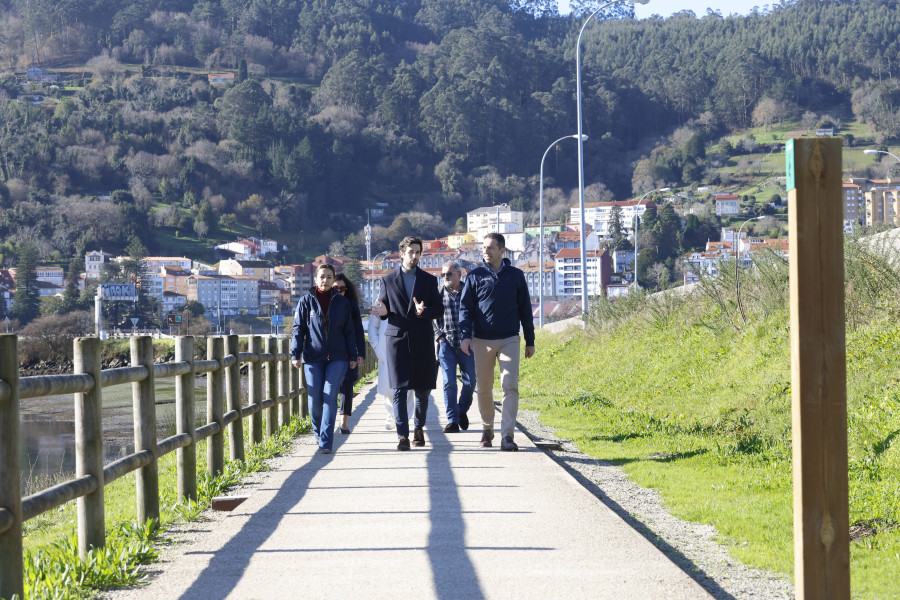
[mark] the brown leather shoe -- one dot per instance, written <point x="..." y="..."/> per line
<point x="486" y="436"/>
<point x="418" y="438"/>
<point x="403" y="444"/>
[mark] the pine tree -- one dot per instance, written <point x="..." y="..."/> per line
<point x="618" y="241"/>
<point x="27" y="302"/>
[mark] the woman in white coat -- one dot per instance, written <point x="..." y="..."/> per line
<point x="375" y="329"/>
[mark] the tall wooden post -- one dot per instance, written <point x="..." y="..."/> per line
<point x="233" y="400"/>
<point x="818" y="370"/>
<point x="254" y="383"/>
<point x="11" y="579"/>
<point x="215" y="407"/>
<point x="304" y="394"/>
<point x="271" y="386"/>
<point x="295" y="384"/>
<point x="89" y="446"/>
<point x="284" y="384"/>
<point x="144" y="406"/>
<point x="184" y="420"/>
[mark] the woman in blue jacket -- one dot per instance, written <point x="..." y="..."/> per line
<point x="324" y="342"/>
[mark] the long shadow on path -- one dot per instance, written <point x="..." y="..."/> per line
<point x="228" y="564"/>
<point x="451" y="566"/>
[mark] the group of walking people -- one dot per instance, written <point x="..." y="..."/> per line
<point x="474" y="322"/>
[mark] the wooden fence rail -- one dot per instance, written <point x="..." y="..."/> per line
<point x="279" y="392"/>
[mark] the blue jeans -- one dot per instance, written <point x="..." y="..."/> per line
<point x="450" y="358"/>
<point x="323" y="382"/>
<point x="400" y="415"/>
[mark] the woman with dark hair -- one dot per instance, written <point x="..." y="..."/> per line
<point x="324" y="345"/>
<point x="345" y="287"/>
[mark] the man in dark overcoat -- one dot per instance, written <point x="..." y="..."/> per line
<point x="410" y="301"/>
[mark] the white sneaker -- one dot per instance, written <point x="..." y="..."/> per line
<point x="389" y="424"/>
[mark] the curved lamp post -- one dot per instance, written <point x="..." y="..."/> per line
<point x="541" y="232"/>
<point x="882" y="152"/>
<point x="737" y="267"/>
<point x="637" y="220"/>
<point x="584" y="293"/>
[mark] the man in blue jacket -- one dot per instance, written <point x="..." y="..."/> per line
<point x="495" y="301"/>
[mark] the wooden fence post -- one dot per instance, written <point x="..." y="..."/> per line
<point x="295" y="384"/>
<point x="304" y="395"/>
<point x="233" y="400"/>
<point x="144" y="406"/>
<point x="215" y="407"/>
<point x="254" y="382"/>
<point x="284" y="384"/>
<point x="89" y="446"/>
<point x="271" y="386"/>
<point x="11" y="577"/>
<point x="185" y="409"/>
<point x="818" y="369"/>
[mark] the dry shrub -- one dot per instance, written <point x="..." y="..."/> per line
<point x="49" y="339"/>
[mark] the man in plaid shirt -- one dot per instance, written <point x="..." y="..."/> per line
<point x="446" y="333"/>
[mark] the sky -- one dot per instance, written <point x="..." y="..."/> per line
<point x="668" y="7"/>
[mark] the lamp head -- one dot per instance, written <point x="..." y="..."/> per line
<point x="668" y="189"/>
<point x="639" y="1"/>
<point x="870" y="151"/>
<point x="584" y="137"/>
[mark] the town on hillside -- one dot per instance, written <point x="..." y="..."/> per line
<point x="247" y="282"/>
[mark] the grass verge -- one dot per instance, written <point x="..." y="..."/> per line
<point x="53" y="569"/>
<point x="688" y="401"/>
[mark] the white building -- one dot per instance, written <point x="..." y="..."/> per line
<point x="52" y="275"/>
<point x="170" y="301"/>
<point x="533" y="277"/>
<point x="93" y="263"/>
<point x="727" y="205"/>
<point x="154" y="264"/>
<point x="484" y="220"/>
<point x="258" y="269"/>
<point x="598" y="215"/>
<point x="568" y="272"/>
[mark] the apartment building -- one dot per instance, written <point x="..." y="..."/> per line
<point x="225" y="294"/>
<point x="533" y="278"/>
<point x="598" y="215"/>
<point x="567" y="266"/>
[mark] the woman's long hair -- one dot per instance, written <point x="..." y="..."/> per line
<point x="352" y="294"/>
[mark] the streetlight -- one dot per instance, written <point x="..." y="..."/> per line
<point x="637" y="220"/>
<point x="368" y="231"/>
<point x="584" y="302"/>
<point x="498" y="214"/>
<point x="737" y="264"/>
<point x="870" y="151"/>
<point x="541" y="233"/>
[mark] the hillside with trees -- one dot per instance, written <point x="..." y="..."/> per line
<point x="430" y="107"/>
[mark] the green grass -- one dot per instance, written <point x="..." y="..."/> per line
<point x="689" y="402"/>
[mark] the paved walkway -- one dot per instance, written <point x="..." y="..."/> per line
<point x="450" y="521"/>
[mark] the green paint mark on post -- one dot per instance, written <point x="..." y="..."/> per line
<point x="789" y="165"/>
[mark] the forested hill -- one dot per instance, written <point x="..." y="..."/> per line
<point x="436" y="106"/>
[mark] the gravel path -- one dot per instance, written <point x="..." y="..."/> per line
<point x="692" y="546"/>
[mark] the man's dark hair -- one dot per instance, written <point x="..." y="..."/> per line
<point x="325" y="266"/>
<point x="409" y="241"/>
<point x="498" y="237"/>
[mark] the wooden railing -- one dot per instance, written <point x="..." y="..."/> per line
<point x="278" y="392"/>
